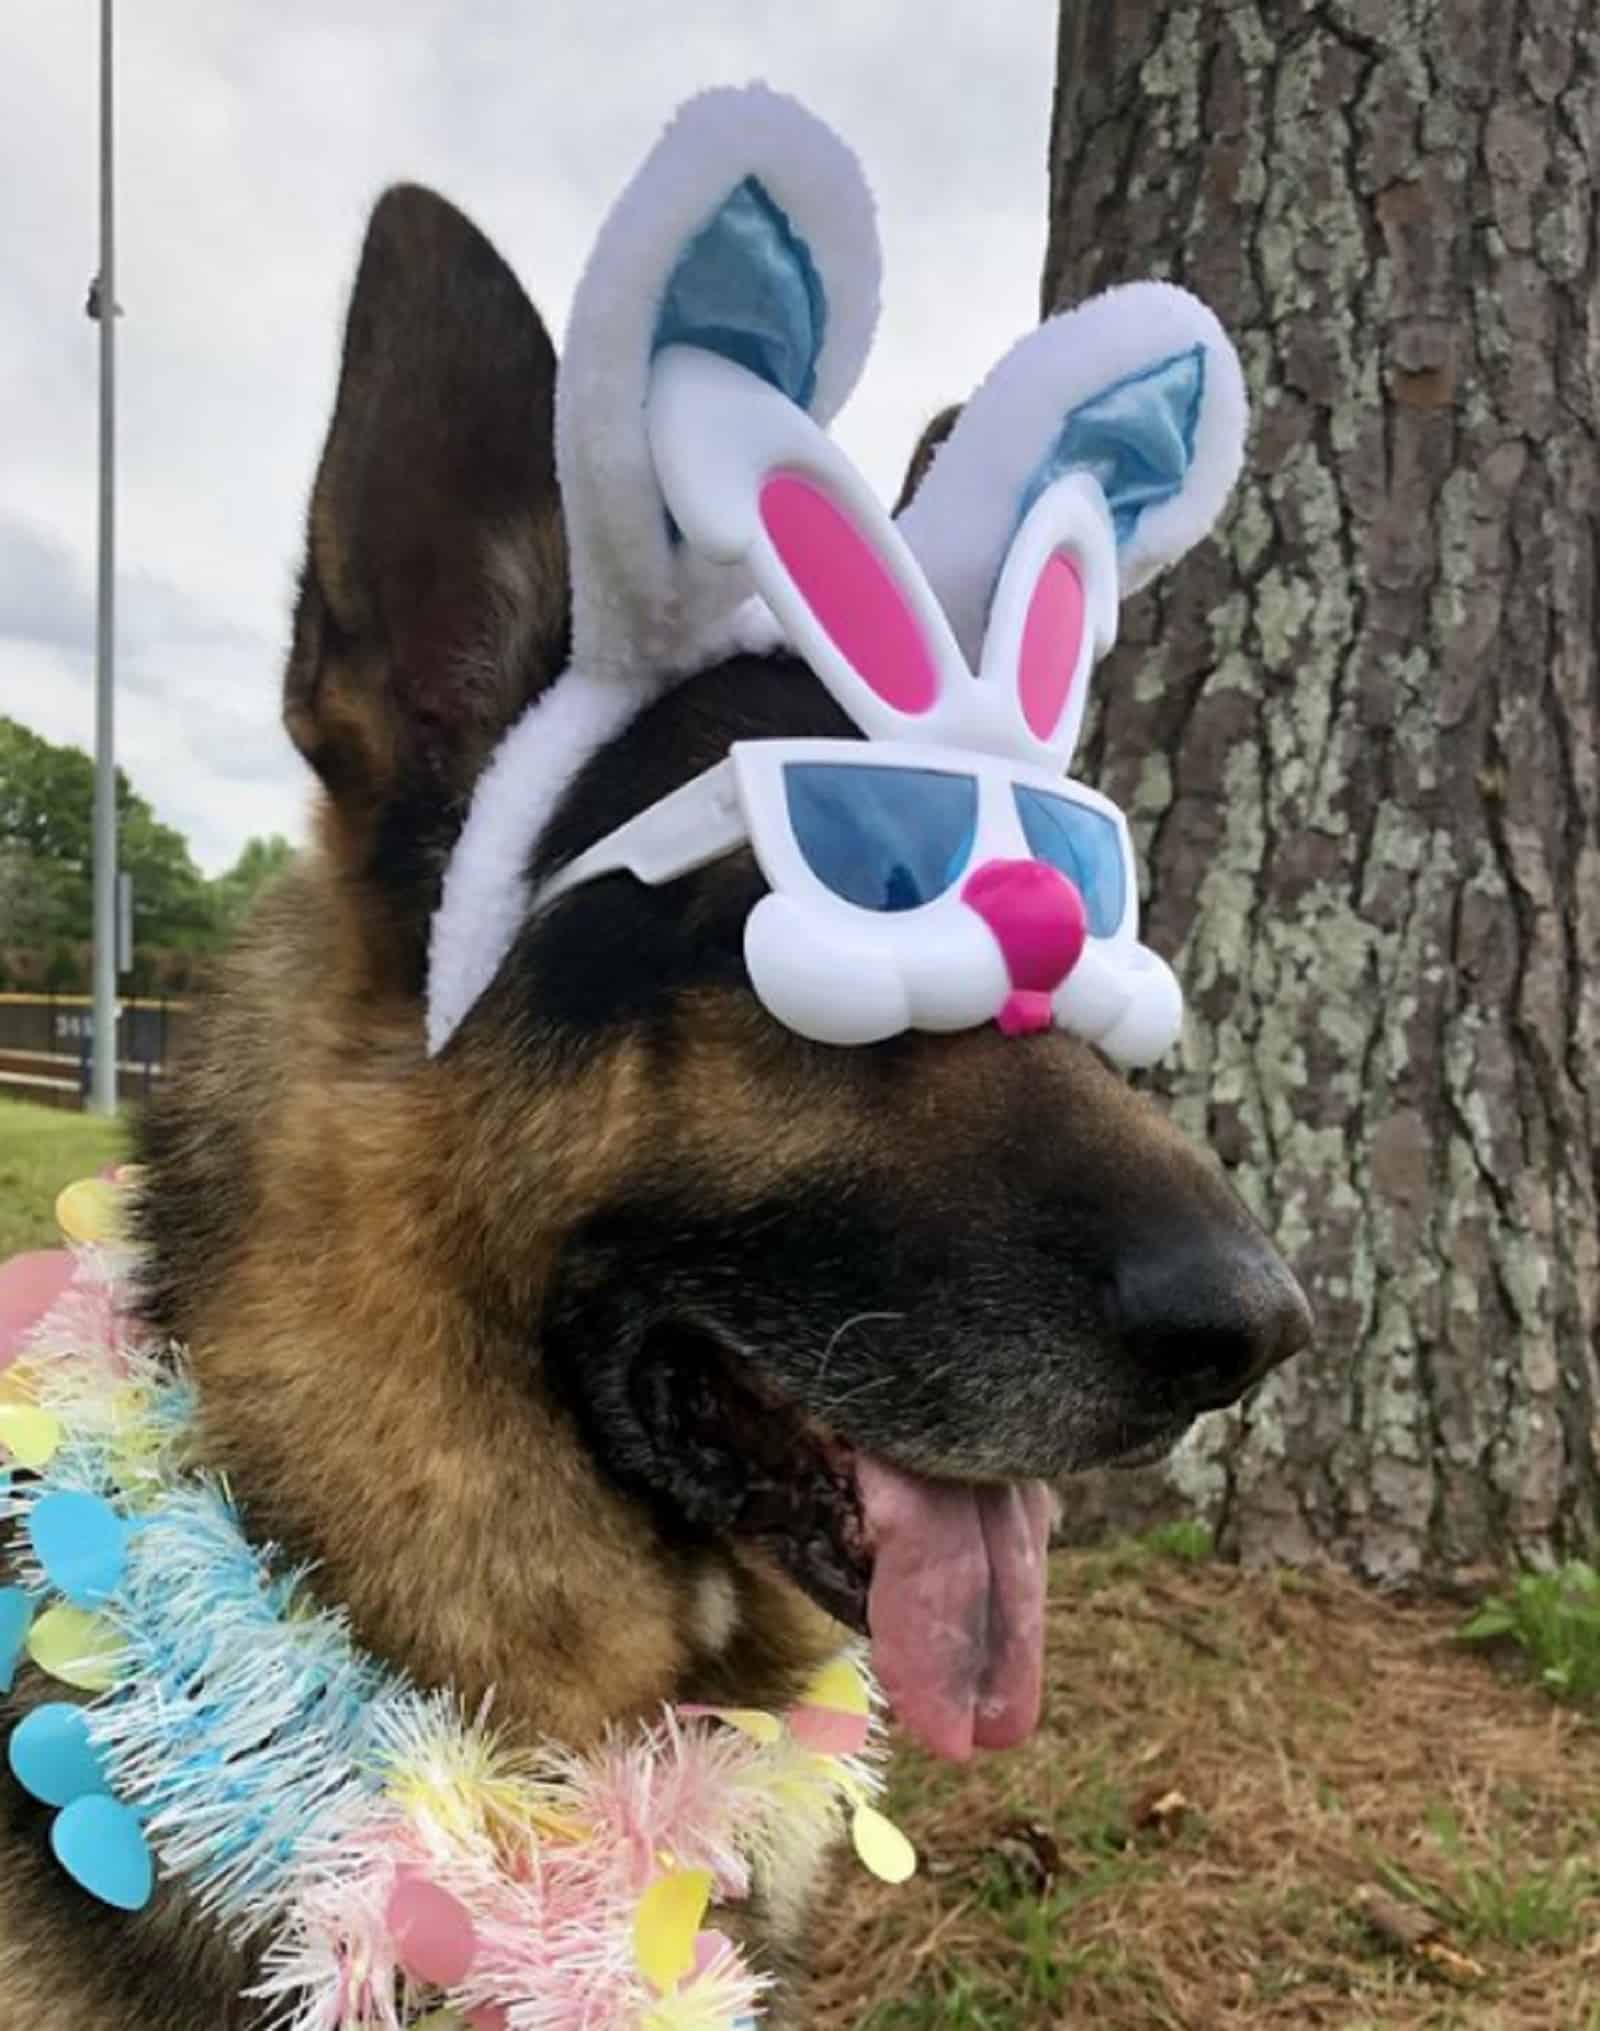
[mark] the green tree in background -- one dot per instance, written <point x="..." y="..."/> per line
<point x="47" y="811"/>
<point x="47" y="858"/>
<point x="36" y="897"/>
<point x="258" y="863"/>
<point x="172" y="899"/>
<point x="47" y="797"/>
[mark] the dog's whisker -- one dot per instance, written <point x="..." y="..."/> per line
<point x="833" y="1405"/>
<point x="860" y="1319"/>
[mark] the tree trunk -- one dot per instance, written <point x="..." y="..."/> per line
<point x="1359" y="736"/>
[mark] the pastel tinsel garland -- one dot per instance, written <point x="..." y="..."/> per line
<point x="395" y="1864"/>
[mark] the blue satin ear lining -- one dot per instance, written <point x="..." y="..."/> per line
<point x="1135" y="437"/>
<point x="746" y="287"/>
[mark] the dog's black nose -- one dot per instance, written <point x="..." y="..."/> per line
<point x="1209" y="1315"/>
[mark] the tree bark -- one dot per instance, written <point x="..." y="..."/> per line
<point x="1359" y="736"/>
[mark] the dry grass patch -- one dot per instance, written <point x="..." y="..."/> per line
<point x="1263" y="1800"/>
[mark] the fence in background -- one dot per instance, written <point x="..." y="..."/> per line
<point x="45" y="1040"/>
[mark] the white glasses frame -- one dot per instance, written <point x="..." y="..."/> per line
<point x="743" y="800"/>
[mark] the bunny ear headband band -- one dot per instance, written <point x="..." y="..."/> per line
<point x="944" y="871"/>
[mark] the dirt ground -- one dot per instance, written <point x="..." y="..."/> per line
<point x="1257" y="1799"/>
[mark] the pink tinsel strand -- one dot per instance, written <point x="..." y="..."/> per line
<point x="554" y="1929"/>
<point x="693" y="1793"/>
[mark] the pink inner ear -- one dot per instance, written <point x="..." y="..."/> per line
<point x="1051" y="638"/>
<point x="860" y="608"/>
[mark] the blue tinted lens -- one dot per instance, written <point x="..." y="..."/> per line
<point x="884" y="839"/>
<point x="1085" y="846"/>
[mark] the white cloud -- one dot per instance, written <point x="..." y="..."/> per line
<point x="251" y="142"/>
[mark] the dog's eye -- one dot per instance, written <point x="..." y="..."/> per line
<point x="1084" y="846"/>
<point x="883" y="839"/>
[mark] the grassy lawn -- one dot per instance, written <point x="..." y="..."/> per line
<point x="42" y="1149"/>
<point x="1259" y="1801"/>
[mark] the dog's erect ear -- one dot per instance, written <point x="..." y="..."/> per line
<point x="1138" y="388"/>
<point x="434" y="601"/>
<point x="927" y="444"/>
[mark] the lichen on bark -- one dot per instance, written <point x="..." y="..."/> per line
<point x="1359" y="734"/>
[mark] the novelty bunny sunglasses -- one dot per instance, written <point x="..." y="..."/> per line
<point x="855" y="831"/>
<point x="944" y="871"/>
<point x="882" y="833"/>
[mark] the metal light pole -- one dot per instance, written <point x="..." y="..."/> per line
<point x="103" y="1096"/>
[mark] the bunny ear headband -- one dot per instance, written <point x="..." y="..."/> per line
<point x="944" y="871"/>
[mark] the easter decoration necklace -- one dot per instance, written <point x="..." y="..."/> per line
<point x="395" y="1865"/>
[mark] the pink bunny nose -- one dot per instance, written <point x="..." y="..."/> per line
<point x="1037" y="918"/>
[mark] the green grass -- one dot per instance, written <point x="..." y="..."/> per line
<point x="1189" y="1542"/>
<point x="1488" y="1904"/>
<point x="953" y="2002"/>
<point x="1183" y="1543"/>
<point x="1554" y="1619"/>
<point x="42" y="1149"/>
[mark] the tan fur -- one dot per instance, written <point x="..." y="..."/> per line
<point x="363" y="1401"/>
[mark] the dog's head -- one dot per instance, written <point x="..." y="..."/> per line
<point x="846" y="1308"/>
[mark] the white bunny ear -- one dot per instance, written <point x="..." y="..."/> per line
<point x="750" y="480"/>
<point x="748" y="232"/>
<point x="1139" y="388"/>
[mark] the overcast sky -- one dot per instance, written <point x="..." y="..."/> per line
<point x="252" y="138"/>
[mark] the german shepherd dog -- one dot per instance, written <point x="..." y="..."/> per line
<point x="564" y="1357"/>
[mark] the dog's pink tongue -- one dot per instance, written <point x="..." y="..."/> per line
<point x="956" y="1608"/>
